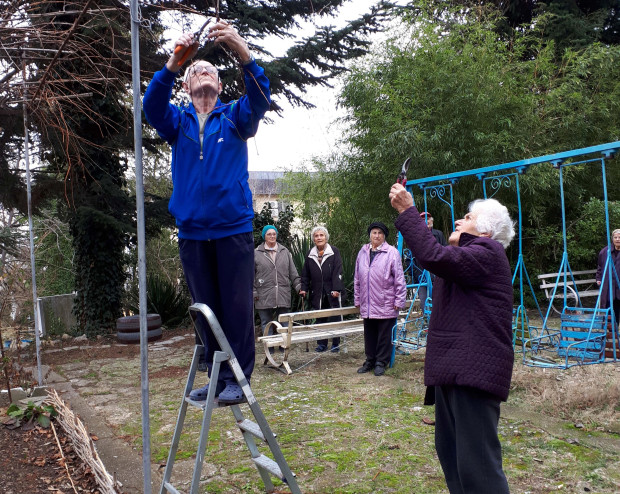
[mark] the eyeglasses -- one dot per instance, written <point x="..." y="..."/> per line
<point x="200" y="69"/>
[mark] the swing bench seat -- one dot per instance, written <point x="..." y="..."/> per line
<point x="298" y="327"/>
<point x="580" y="340"/>
<point x="583" y="333"/>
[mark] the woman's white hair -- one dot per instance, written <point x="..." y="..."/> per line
<point x="617" y="230"/>
<point x="319" y="229"/>
<point x="493" y="218"/>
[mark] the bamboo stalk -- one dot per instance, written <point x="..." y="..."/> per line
<point x="62" y="454"/>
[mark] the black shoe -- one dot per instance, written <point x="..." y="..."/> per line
<point x="379" y="370"/>
<point x="365" y="368"/>
<point x="335" y="349"/>
<point x="320" y="349"/>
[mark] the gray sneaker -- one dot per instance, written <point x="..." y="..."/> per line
<point x="200" y="394"/>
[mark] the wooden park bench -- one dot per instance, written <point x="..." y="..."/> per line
<point x="584" y="285"/>
<point x="297" y="327"/>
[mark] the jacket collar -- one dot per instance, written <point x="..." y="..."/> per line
<point x="382" y="248"/>
<point x="219" y="108"/>
<point x="468" y="238"/>
<point x="261" y="247"/>
<point x="314" y="254"/>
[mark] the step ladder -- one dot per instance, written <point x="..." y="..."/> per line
<point x="267" y="467"/>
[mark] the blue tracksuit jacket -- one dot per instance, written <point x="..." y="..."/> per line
<point x="211" y="197"/>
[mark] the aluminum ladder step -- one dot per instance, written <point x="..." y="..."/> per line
<point x="170" y="488"/>
<point x="253" y="428"/>
<point x="268" y="464"/>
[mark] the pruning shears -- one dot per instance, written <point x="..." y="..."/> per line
<point x="188" y="49"/>
<point x="402" y="176"/>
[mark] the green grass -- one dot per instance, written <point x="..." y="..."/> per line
<point x="347" y="433"/>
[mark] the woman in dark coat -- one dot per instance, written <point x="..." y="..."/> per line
<point x="615" y="260"/>
<point x="321" y="280"/>
<point x="469" y="354"/>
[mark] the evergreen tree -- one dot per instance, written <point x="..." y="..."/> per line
<point x="569" y="23"/>
<point x="312" y="61"/>
<point x="463" y="99"/>
<point x="81" y="121"/>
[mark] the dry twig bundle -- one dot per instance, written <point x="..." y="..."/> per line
<point x="82" y="443"/>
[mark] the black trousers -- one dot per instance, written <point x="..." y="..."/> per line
<point x="466" y="440"/>
<point x="328" y="302"/>
<point x="220" y="274"/>
<point x="378" y="340"/>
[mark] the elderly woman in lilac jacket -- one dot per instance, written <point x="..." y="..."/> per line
<point x="380" y="291"/>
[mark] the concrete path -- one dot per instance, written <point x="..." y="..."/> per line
<point x="121" y="460"/>
<point x="80" y="390"/>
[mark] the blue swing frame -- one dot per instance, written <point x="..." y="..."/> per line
<point x="585" y="335"/>
<point x="409" y="334"/>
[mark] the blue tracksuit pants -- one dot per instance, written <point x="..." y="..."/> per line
<point x="220" y="274"/>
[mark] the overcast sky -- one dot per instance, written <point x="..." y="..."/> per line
<point x="300" y="134"/>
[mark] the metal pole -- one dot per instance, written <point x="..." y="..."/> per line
<point x="37" y="322"/>
<point x="137" y="133"/>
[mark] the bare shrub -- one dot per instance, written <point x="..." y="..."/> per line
<point x="588" y="394"/>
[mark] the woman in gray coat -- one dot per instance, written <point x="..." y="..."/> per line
<point x="274" y="273"/>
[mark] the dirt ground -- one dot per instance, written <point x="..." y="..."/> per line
<point x="341" y="432"/>
<point x="31" y="462"/>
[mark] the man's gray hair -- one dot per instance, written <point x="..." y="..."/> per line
<point x="493" y="218"/>
<point x="319" y="229"/>
<point x="189" y="68"/>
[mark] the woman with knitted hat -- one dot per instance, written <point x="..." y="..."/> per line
<point x="274" y="273"/>
<point x="380" y="292"/>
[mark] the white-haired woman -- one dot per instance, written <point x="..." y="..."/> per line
<point x="321" y="279"/>
<point x="469" y="354"/>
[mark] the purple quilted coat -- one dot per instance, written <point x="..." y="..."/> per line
<point x="470" y="331"/>
<point x="380" y="286"/>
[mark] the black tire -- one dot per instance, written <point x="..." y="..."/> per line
<point x="152" y="335"/>
<point x="131" y="324"/>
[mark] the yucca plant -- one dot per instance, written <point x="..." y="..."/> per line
<point x="299" y="249"/>
<point x="165" y="298"/>
<point x="300" y="246"/>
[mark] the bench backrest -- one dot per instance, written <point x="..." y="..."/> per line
<point x="581" y="277"/>
<point x="314" y="314"/>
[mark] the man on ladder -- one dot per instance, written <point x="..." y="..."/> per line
<point x="211" y="199"/>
